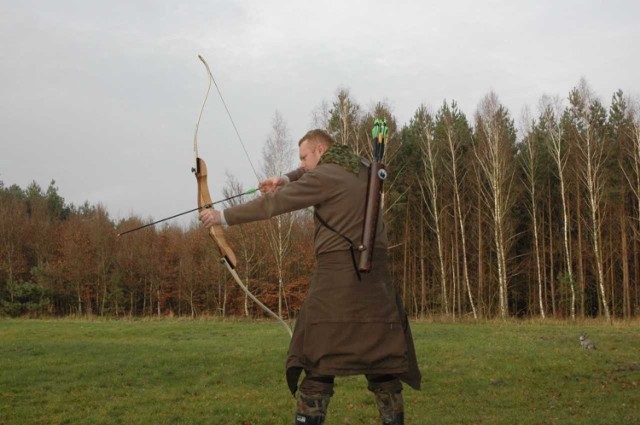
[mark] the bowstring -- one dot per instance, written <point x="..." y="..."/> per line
<point x="228" y="114"/>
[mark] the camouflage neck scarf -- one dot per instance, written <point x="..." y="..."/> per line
<point x="343" y="156"/>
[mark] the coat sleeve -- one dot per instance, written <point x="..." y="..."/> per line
<point x="312" y="188"/>
<point x="295" y="174"/>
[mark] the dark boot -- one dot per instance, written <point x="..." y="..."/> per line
<point x="311" y="409"/>
<point x="390" y="407"/>
<point x="302" y="419"/>
<point x="396" y="419"/>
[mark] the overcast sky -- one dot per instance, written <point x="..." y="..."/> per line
<point x="103" y="96"/>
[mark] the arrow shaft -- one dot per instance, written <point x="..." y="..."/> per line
<point x="249" y="192"/>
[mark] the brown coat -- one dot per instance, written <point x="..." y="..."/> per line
<point x="345" y="326"/>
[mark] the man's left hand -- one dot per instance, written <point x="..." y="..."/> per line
<point x="209" y="217"/>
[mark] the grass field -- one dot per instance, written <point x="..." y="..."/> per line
<point x="213" y="372"/>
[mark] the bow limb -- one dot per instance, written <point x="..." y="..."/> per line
<point x="217" y="235"/>
<point x="215" y="232"/>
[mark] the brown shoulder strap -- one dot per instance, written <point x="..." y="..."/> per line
<point x="351" y="249"/>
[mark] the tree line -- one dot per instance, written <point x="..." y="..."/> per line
<point x="484" y="218"/>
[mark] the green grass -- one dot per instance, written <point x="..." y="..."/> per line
<point x="213" y="372"/>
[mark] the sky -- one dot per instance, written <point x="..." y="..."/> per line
<point x="103" y="96"/>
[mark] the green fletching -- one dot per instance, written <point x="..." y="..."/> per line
<point x="379" y="127"/>
<point x="376" y="128"/>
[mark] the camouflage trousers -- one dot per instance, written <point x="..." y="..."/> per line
<point x="311" y="409"/>
<point x="388" y="392"/>
<point x="390" y="407"/>
<point x="316" y="391"/>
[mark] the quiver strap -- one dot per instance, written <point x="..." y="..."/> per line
<point x="349" y="241"/>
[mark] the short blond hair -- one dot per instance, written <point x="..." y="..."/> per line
<point x="318" y="136"/>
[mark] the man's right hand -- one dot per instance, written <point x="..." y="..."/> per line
<point x="271" y="184"/>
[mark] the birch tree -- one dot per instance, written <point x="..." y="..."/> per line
<point x="494" y="154"/>
<point x="423" y="123"/>
<point x="588" y="118"/>
<point x="453" y="123"/>
<point x="345" y="123"/>
<point x="278" y="155"/>
<point x="557" y="146"/>
<point x="529" y="158"/>
<point x="247" y="248"/>
<point x="621" y="122"/>
<point x="321" y="116"/>
<point x="634" y="151"/>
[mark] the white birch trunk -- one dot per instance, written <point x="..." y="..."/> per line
<point x="456" y="188"/>
<point x="429" y="167"/>
<point x="592" y="156"/>
<point x="560" y="156"/>
<point x="493" y="158"/>
<point x="530" y="166"/>
<point x="277" y="155"/>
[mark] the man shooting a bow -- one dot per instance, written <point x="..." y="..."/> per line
<point x="351" y="322"/>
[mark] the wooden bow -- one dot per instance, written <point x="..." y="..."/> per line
<point x="228" y="257"/>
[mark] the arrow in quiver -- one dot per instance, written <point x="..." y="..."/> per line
<point x="377" y="173"/>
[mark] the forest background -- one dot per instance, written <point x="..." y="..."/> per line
<point x="485" y="218"/>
